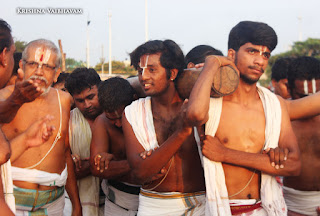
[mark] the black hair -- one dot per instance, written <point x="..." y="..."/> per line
<point x="114" y="93"/>
<point x="256" y="33"/>
<point x="5" y="35"/>
<point x="199" y="53"/>
<point x="17" y="57"/>
<point x="81" y="79"/>
<point x="61" y="78"/>
<point x="171" y="55"/>
<point x="303" y="68"/>
<point x="280" y="68"/>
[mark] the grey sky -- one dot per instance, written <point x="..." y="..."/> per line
<point x="188" y="22"/>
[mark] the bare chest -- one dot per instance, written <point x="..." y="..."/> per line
<point x="117" y="144"/>
<point x="242" y="128"/>
<point x="308" y="136"/>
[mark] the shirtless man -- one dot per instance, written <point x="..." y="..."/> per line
<point x="302" y="193"/>
<point x="108" y="143"/>
<point x="23" y="92"/>
<point x="240" y="126"/>
<point x="41" y="189"/>
<point x="83" y="84"/>
<point x="279" y="77"/>
<point x="158" y="121"/>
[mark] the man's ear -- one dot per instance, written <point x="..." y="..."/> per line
<point x="273" y="82"/>
<point x="3" y="57"/>
<point x="190" y="65"/>
<point x="57" y="75"/>
<point x="174" y="73"/>
<point x="232" y="54"/>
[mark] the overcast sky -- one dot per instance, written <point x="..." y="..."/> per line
<point x="187" y="22"/>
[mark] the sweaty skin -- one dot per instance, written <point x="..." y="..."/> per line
<point x="241" y="132"/>
<point x="178" y="152"/>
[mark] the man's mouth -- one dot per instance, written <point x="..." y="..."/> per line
<point x="258" y="69"/>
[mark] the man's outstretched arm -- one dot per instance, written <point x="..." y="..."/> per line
<point x="23" y="92"/>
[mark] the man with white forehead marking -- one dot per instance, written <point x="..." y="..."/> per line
<point x="157" y="124"/>
<point x="41" y="173"/>
<point x="302" y="193"/>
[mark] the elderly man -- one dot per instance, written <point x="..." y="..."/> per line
<point x="24" y="91"/>
<point x="40" y="173"/>
<point x="83" y="84"/>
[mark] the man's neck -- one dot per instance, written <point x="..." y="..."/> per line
<point x="167" y="99"/>
<point x="245" y="93"/>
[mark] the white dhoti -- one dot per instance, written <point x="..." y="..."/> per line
<point x="302" y="202"/>
<point x="39" y="202"/>
<point x="8" y="185"/>
<point x="118" y="202"/>
<point x="217" y="195"/>
<point x="153" y="203"/>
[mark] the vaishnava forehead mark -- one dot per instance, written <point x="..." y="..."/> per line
<point x="42" y="55"/>
<point x="145" y="65"/>
<point x="306" y="88"/>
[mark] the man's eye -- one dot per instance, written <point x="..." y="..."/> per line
<point x="251" y="51"/>
<point x="266" y="55"/>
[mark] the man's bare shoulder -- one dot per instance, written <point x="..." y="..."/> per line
<point x="66" y="98"/>
<point x="6" y="92"/>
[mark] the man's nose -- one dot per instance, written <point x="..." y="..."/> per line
<point x="39" y="70"/>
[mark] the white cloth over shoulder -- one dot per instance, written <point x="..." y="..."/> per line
<point x="8" y="185"/>
<point x="40" y="177"/>
<point x="80" y="136"/>
<point x="140" y="110"/>
<point x="271" y="193"/>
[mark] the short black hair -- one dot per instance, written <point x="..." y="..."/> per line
<point x="171" y="55"/>
<point x="61" y="78"/>
<point x="303" y="68"/>
<point x="114" y="93"/>
<point x="257" y="33"/>
<point x="81" y="79"/>
<point x="17" y="57"/>
<point x="280" y="68"/>
<point x="199" y="53"/>
<point x="5" y="35"/>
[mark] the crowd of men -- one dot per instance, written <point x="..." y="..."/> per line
<point x="72" y="144"/>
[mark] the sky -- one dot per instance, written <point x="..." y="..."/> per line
<point x="188" y="22"/>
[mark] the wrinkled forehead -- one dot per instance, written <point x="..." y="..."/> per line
<point x="41" y="54"/>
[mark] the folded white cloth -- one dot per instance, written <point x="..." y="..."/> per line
<point x="302" y="202"/>
<point x="40" y="177"/>
<point x="139" y="115"/>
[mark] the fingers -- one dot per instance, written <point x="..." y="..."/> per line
<point x="102" y="160"/>
<point x="97" y="161"/>
<point x="77" y="161"/>
<point x="271" y="157"/>
<point x="200" y="65"/>
<point x="162" y="172"/>
<point x="145" y="154"/>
